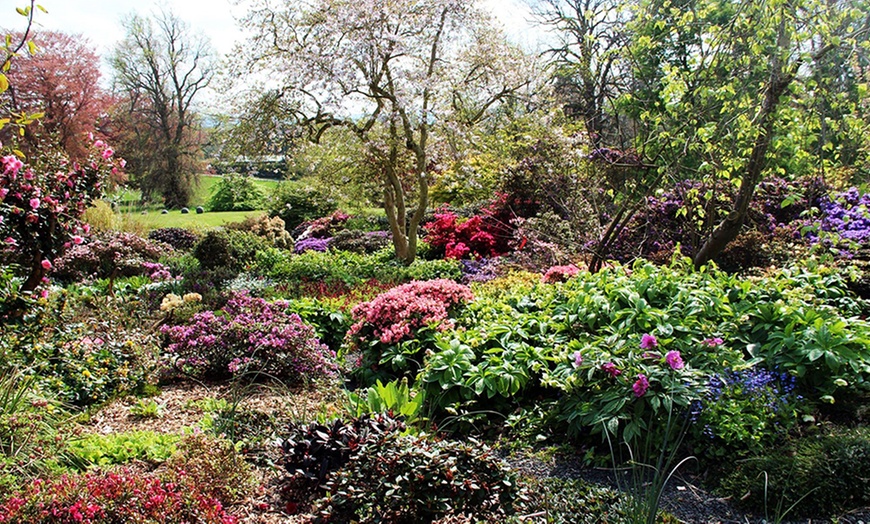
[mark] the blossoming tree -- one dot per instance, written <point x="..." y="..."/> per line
<point x="394" y="72"/>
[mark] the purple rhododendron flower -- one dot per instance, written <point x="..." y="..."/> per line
<point x="578" y="359"/>
<point x="713" y="342"/>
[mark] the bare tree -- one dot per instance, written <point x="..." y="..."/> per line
<point x="160" y="68"/>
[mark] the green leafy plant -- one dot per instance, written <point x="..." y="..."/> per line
<point x="234" y="192"/>
<point x="413" y="479"/>
<point x="121" y="448"/>
<point x="393" y="397"/>
<point x="146" y="408"/>
<point x="812" y="476"/>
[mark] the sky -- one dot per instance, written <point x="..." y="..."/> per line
<point x="100" y="21"/>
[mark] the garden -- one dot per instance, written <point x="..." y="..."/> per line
<point x="460" y="307"/>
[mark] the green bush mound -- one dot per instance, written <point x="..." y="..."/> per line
<point x="822" y="476"/>
<point x="121" y="448"/>
<point x="234" y="192"/>
<point x="232" y="249"/>
<point x="413" y="479"/>
<point x="576" y="501"/>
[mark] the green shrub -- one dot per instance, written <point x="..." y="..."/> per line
<point x="295" y="203"/>
<point x="411" y="479"/>
<point x="330" y="323"/>
<point x="270" y="229"/>
<point x="121" y="448"/>
<point x="235" y="192"/>
<point x="576" y="501"/>
<point x="219" y="471"/>
<point x="351" y="269"/>
<point x="830" y="472"/>
<point x="230" y="249"/>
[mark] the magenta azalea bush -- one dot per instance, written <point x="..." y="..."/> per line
<point x="107" y="498"/>
<point x="249" y="335"/>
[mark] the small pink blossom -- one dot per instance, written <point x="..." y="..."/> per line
<point x="28" y="175"/>
<point x="11" y="241"/>
<point x="648" y="341"/>
<point x="107" y="154"/>
<point x="3" y="193"/>
<point x="713" y="342"/>
<point x="99" y="144"/>
<point x="674" y="360"/>
<point x="578" y="359"/>
<point x="77" y="240"/>
<point x="46" y="264"/>
<point x="611" y="369"/>
<point x="640" y="385"/>
<point x="34" y="203"/>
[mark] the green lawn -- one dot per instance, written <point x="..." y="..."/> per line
<point x="129" y="198"/>
<point x="156" y="220"/>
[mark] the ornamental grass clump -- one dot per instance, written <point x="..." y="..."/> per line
<point x="249" y="335"/>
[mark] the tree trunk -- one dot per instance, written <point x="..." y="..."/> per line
<point x="729" y="228"/>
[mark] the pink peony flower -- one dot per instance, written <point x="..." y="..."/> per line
<point x="640" y="385"/>
<point x="674" y="360"/>
<point x="611" y="369"/>
<point x="648" y="341"/>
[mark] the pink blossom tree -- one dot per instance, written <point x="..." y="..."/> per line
<point x="396" y="73"/>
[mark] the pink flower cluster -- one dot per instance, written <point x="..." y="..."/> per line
<point x="123" y="496"/>
<point x="394" y="316"/>
<point x="40" y="210"/>
<point x="560" y="273"/>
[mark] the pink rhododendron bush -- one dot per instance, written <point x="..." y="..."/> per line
<point x="41" y="206"/>
<point x="399" y="316"/>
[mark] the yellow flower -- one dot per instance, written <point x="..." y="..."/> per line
<point x="170" y="302"/>
<point x="193" y="297"/>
